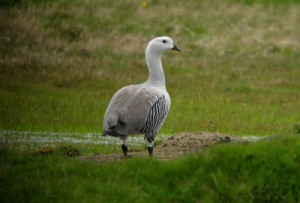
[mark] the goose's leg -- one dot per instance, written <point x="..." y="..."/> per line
<point x="124" y="146"/>
<point x="150" y="145"/>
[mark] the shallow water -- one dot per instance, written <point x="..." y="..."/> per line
<point x="58" y="137"/>
<point x="47" y="138"/>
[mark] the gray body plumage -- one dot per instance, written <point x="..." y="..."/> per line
<point x="141" y="108"/>
<point x="137" y="109"/>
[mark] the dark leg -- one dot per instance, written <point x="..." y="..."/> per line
<point x="150" y="151"/>
<point x="150" y="145"/>
<point x="125" y="150"/>
<point x="124" y="146"/>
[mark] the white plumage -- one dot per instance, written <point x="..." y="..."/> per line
<point x="141" y="108"/>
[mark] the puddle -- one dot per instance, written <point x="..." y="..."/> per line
<point x="57" y="137"/>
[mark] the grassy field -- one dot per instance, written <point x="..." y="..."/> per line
<point x="231" y="173"/>
<point x="61" y="62"/>
<point x="238" y="73"/>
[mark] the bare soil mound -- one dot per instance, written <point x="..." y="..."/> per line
<point x="175" y="146"/>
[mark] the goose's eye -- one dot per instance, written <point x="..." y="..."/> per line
<point x="164" y="41"/>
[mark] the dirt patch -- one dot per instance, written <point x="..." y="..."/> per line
<point x="177" y="145"/>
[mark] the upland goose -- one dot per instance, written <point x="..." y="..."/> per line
<point x="141" y="108"/>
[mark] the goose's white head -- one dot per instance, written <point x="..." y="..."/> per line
<point x="161" y="44"/>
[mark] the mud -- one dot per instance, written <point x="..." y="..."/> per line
<point x="176" y="146"/>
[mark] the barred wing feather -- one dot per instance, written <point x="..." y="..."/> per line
<point x="155" y="118"/>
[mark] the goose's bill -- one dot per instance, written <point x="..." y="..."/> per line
<point x="176" y="48"/>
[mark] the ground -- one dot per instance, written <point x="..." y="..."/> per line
<point x="175" y="146"/>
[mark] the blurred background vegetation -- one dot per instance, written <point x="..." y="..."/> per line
<point x="238" y="72"/>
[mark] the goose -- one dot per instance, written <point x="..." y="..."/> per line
<point x="141" y="108"/>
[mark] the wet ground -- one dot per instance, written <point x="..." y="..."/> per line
<point x="177" y="145"/>
<point x="167" y="146"/>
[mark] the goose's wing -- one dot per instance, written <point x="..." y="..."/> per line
<point x="117" y="107"/>
<point x="156" y="117"/>
<point x="132" y="109"/>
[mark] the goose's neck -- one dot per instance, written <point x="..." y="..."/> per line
<point x="156" y="72"/>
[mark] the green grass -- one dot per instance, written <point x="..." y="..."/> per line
<point x="239" y="63"/>
<point x="238" y="73"/>
<point x="227" y="173"/>
<point x="44" y="108"/>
